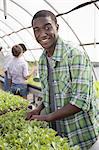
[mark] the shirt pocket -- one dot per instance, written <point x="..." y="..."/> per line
<point x="62" y="85"/>
<point x="62" y="94"/>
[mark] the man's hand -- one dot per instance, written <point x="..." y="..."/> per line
<point x="30" y="114"/>
<point x="35" y="112"/>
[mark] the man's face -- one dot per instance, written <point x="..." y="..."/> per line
<point x="46" y="32"/>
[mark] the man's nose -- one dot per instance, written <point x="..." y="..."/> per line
<point x="43" y="32"/>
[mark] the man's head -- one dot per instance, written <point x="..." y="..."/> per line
<point x="45" y="29"/>
<point x="17" y="50"/>
<point x="45" y="13"/>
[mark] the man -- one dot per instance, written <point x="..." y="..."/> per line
<point x="67" y="85"/>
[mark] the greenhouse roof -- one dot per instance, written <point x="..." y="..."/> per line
<point x="78" y="22"/>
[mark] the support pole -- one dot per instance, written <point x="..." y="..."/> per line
<point x="5" y="8"/>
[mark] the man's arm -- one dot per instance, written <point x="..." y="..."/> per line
<point x="65" y="111"/>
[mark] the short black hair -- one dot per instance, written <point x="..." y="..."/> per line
<point x="23" y="47"/>
<point x="45" y="13"/>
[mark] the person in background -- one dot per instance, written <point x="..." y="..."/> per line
<point x="23" y="47"/>
<point x="67" y="85"/>
<point x="18" y="72"/>
<point x="6" y="57"/>
<point x="0" y="48"/>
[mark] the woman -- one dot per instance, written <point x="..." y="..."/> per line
<point x="18" y="72"/>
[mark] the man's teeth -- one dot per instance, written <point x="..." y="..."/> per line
<point x="45" y="40"/>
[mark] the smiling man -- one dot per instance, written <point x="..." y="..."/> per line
<point x="67" y="85"/>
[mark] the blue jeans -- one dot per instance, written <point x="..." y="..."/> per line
<point x="6" y="83"/>
<point x="19" y="89"/>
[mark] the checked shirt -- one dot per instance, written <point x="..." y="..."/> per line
<point x="72" y="83"/>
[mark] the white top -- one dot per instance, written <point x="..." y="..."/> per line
<point x="5" y="58"/>
<point x="17" y="70"/>
<point x="7" y="61"/>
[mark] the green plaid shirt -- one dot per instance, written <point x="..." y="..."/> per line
<point x="73" y="83"/>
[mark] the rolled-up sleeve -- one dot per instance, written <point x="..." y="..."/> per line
<point x="81" y="84"/>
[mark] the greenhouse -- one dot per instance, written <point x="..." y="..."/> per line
<point x="49" y="75"/>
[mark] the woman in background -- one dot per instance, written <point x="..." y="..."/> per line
<point x="6" y="58"/>
<point x="18" y="72"/>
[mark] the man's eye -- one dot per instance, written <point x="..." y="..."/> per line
<point x="47" y="28"/>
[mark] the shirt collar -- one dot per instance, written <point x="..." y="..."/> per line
<point x="58" y="53"/>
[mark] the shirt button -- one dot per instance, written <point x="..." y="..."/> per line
<point x="58" y="107"/>
<point x="56" y="95"/>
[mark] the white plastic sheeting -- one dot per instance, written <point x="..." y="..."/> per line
<point x="80" y="26"/>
